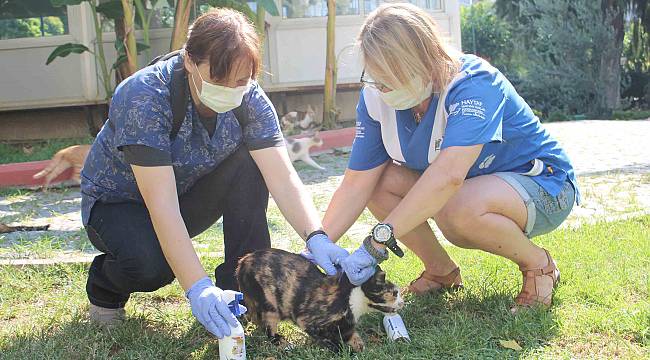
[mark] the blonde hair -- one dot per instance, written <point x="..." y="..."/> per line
<point x="399" y="42"/>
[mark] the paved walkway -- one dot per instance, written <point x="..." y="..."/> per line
<point x="611" y="158"/>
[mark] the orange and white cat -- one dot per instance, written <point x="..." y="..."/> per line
<point x="70" y="157"/>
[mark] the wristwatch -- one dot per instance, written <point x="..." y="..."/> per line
<point x="383" y="234"/>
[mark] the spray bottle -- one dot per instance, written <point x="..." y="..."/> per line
<point x="233" y="347"/>
<point x="395" y="328"/>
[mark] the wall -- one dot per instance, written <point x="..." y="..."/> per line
<point x="294" y="57"/>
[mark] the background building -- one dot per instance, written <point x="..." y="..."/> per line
<point x="62" y="95"/>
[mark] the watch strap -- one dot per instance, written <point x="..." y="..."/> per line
<point x="392" y="245"/>
<point x="373" y="251"/>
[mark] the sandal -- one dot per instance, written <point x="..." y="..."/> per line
<point x="529" y="295"/>
<point x="427" y="283"/>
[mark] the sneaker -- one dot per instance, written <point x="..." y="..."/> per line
<point x="104" y="317"/>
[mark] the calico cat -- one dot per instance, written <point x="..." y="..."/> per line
<point x="280" y="285"/>
<point x="300" y="121"/>
<point x="299" y="149"/>
<point x="72" y="156"/>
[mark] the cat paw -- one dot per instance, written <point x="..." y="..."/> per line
<point x="356" y="343"/>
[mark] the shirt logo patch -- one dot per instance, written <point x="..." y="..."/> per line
<point x="487" y="162"/>
<point x="360" y="131"/>
<point x="453" y="109"/>
<point x="472" y="108"/>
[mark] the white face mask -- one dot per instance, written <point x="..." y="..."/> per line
<point x="402" y="99"/>
<point x="219" y="98"/>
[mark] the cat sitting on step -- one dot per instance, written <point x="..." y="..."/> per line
<point x="299" y="149"/>
<point x="300" y="122"/>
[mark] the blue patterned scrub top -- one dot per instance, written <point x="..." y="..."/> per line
<point x="141" y="114"/>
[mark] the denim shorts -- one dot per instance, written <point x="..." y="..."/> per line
<point x="545" y="212"/>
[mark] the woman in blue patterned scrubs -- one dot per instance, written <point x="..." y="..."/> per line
<point x="444" y="135"/>
<point x="146" y="193"/>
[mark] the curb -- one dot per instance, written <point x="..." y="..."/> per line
<point x="20" y="174"/>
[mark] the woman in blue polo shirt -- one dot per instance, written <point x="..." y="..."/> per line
<point x="444" y="135"/>
<point x="147" y="188"/>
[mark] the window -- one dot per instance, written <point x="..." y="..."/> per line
<point x="370" y="5"/>
<point x="432" y="4"/>
<point x="31" y="18"/>
<point x="160" y="14"/>
<point x="292" y="9"/>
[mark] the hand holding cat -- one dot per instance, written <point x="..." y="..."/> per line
<point x="359" y="266"/>
<point x="325" y="253"/>
<point x="209" y="308"/>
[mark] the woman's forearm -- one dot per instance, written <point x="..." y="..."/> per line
<point x="442" y="179"/>
<point x="429" y="194"/>
<point x="350" y="199"/>
<point x="177" y="246"/>
<point x="158" y="188"/>
<point x="344" y="209"/>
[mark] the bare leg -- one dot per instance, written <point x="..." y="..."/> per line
<point x="396" y="181"/>
<point x="488" y="214"/>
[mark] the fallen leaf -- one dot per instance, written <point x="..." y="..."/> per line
<point x="510" y="344"/>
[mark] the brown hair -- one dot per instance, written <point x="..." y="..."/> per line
<point x="224" y="38"/>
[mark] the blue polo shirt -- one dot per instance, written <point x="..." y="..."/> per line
<point x="483" y="108"/>
<point x="141" y="114"/>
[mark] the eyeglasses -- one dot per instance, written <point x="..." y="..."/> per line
<point x="377" y="85"/>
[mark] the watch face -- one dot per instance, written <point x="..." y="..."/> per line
<point x="382" y="233"/>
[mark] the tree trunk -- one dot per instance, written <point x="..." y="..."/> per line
<point x="610" y="58"/>
<point x="122" y="71"/>
<point x="329" y="102"/>
<point x="181" y="24"/>
<point x="129" y="32"/>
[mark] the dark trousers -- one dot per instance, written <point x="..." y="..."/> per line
<point x="132" y="260"/>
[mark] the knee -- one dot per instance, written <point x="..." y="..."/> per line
<point x="145" y="273"/>
<point x="456" y="223"/>
<point x="381" y="201"/>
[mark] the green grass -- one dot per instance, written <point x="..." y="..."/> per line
<point x="43" y="150"/>
<point x="602" y="310"/>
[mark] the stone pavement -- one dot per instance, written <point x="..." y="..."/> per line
<point x="598" y="146"/>
<point x="611" y="158"/>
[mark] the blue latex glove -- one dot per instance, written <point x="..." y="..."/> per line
<point x="359" y="266"/>
<point x="325" y="253"/>
<point x="209" y="309"/>
<point x="308" y="255"/>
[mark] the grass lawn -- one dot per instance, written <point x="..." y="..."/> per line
<point x="602" y="310"/>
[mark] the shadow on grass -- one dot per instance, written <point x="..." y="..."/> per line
<point x="137" y="337"/>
